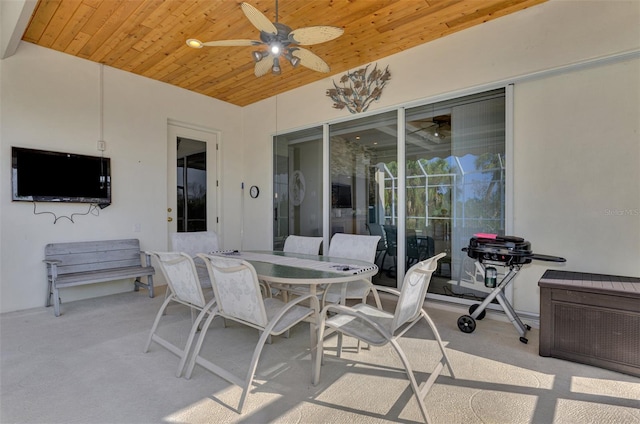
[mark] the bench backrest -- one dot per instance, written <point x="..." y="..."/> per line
<point x="94" y="255"/>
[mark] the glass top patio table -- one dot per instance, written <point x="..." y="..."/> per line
<point x="296" y="268"/>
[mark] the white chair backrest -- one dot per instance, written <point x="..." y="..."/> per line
<point x="236" y="288"/>
<point x="353" y="246"/>
<point x="194" y="243"/>
<point x="414" y="290"/>
<point x="302" y="244"/>
<point x="180" y="272"/>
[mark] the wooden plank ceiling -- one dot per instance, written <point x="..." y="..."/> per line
<point x="147" y="37"/>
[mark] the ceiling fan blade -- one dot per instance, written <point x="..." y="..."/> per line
<point x="310" y="60"/>
<point x="263" y="66"/>
<point x="223" y="43"/>
<point x="258" y="19"/>
<point x="315" y="34"/>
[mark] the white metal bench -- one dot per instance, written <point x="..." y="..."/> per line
<point x="89" y="262"/>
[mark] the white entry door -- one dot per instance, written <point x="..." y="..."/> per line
<point x="192" y="174"/>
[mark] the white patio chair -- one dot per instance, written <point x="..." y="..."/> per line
<point x="180" y="273"/>
<point x="378" y="327"/>
<point x="193" y="243"/>
<point x="358" y="247"/>
<point x="302" y="244"/>
<point x="298" y="244"/>
<point x="236" y="287"/>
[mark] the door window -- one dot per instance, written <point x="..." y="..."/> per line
<point x="191" y="187"/>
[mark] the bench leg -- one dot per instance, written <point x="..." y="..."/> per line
<point x="48" y="301"/>
<point x="56" y="301"/>
<point x="148" y="285"/>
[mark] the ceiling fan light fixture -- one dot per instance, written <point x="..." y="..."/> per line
<point x="275" y="48"/>
<point x="295" y="61"/>
<point x="194" y="43"/>
<point x="276" y="67"/>
<point x="258" y="55"/>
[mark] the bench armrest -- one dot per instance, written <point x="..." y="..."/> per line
<point x="52" y="267"/>
<point x="147" y="257"/>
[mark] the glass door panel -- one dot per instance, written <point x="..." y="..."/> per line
<point x="362" y="168"/>
<point x="191" y="168"/>
<point x="455" y="180"/>
<point x="297" y="185"/>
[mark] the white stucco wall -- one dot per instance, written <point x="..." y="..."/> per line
<point x="564" y="124"/>
<point x="550" y="36"/>
<point x="52" y="101"/>
<point x="577" y="162"/>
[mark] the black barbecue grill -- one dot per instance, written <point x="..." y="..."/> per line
<point x="508" y="251"/>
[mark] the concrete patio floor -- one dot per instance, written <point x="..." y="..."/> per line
<point x="87" y="366"/>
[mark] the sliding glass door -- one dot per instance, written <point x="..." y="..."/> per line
<point x="428" y="195"/>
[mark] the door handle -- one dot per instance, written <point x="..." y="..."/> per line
<point x="169" y="219"/>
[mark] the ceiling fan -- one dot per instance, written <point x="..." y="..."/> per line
<point x="281" y="41"/>
<point x="436" y="128"/>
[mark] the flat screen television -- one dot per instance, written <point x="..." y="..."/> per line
<point x="45" y="176"/>
<point x="341" y="196"/>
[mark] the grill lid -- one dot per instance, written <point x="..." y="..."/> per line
<point x="507" y="249"/>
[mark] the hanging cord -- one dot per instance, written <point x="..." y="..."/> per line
<point x="103" y="177"/>
<point x="93" y="210"/>
<point x="102" y="102"/>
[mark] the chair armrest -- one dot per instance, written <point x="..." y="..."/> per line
<point x="313" y="300"/>
<point x="52" y="261"/>
<point x="387" y="290"/>
<point x="356" y="314"/>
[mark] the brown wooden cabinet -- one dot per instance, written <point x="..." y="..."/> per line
<point x="592" y="319"/>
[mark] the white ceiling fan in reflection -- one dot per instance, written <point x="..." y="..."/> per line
<point x="280" y="42"/>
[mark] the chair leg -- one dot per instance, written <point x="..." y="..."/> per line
<point x="412" y="380"/>
<point x="445" y="357"/>
<point x="194" y="328"/>
<point x="167" y="292"/>
<point x="252" y="368"/>
<point x="156" y="322"/>
<point x="319" y="353"/>
<point x="198" y="346"/>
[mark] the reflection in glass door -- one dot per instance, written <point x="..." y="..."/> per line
<point x="191" y="174"/>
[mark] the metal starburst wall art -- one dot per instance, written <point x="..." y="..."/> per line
<point x="357" y="90"/>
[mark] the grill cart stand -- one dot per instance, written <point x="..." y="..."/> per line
<point x="467" y="323"/>
<point x="504" y="251"/>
